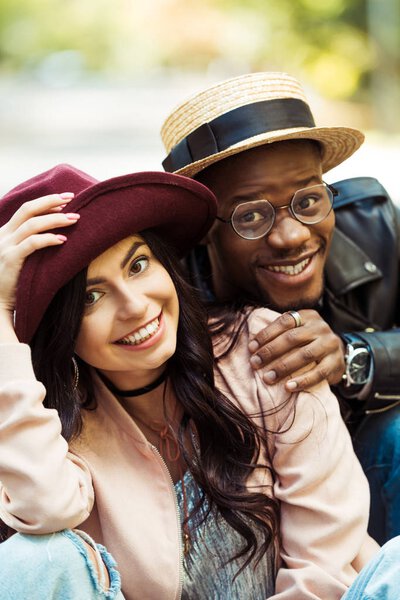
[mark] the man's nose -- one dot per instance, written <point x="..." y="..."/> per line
<point x="287" y="232"/>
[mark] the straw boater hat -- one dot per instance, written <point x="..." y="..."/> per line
<point x="178" y="209"/>
<point x="245" y="112"/>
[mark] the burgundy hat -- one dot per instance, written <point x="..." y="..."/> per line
<point x="179" y="209"/>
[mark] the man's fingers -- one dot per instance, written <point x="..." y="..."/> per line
<point x="301" y="354"/>
<point x="283" y="323"/>
<point x="288" y="341"/>
<point x="310" y="378"/>
<point x="289" y="363"/>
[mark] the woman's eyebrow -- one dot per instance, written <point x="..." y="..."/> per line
<point x="131" y="252"/>
<point x="94" y="281"/>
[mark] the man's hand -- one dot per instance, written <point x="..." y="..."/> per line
<point x="284" y="349"/>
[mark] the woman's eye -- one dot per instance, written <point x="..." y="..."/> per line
<point x="92" y="297"/>
<point x="139" y="264"/>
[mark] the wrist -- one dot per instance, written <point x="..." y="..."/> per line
<point x="7" y="331"/>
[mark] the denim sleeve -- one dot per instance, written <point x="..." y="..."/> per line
<point x="53" y="567"/>
<point x="380" y="578"/>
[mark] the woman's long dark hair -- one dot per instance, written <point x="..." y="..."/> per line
<point x="228" y="442"/>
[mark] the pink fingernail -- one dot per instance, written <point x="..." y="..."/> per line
<point x="62" y="238"/>
<point x="72" y="216"/>
<point x="67" y="195"/>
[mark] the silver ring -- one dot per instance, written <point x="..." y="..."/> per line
<point x="297" y="318"/>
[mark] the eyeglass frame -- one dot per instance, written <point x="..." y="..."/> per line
<point x="229" y="221"/>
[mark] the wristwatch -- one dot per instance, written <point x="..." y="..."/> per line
<point x="358" y="361"/>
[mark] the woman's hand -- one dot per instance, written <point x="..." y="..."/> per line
<point x="285" y="349"/>
<point x="25" y="232"/>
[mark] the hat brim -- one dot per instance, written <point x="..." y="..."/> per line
<point x="337" y="144"/>
<point x="179" y="209"/>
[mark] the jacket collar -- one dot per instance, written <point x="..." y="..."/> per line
<point x="348" y="266"/>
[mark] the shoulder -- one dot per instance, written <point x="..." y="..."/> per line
<point x="363" y="198"/>
<point x="358" y="189"/>
<point x="246" y="323"/>
<point x="238" y="381"/>
<point x="259" y="318"/>
<point x="366" y="238"/>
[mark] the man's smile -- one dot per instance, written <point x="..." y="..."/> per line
<point x="294" y="269"/>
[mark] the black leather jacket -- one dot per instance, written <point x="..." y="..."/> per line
<point x="362" y="286"/>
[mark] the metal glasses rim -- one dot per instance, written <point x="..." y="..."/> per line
<point x="329" y="186"/>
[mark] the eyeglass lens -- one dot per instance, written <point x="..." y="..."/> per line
<point x="254" y="219"/>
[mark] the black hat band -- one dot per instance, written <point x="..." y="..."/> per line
<point x="236" y="126"/>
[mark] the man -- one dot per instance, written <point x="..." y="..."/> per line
<point x="253" y="141"/>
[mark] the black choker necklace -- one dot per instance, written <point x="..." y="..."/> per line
<point x="138" y="391"/>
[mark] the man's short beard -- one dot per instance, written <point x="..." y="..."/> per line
<point x="314" y="303"/>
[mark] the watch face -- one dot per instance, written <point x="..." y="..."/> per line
<point x="358" y="369"/>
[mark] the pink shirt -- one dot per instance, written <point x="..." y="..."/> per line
<point x="113" y="484"/>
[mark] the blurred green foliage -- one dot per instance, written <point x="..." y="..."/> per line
<point x="326" y="41"/>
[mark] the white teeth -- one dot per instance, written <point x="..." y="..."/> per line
<point x="290" y="269"/>
<point x="143" y="334"/>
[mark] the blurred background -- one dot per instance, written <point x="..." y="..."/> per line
<point x="90" y="82"/>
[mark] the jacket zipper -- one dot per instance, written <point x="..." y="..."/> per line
<point x="178" y="519"/>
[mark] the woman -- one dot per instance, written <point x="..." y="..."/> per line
<point x="249" y="493"/>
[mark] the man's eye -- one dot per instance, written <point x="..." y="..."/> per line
<point x="92" y="297"/>
<point x="251" y="216"/>
<point x="139" y="264"/>
<point x="307" y="202"/>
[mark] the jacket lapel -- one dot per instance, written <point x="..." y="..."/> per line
<point x="348" y="266"/>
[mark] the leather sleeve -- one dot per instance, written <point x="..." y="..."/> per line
<point x="385" y="348"/>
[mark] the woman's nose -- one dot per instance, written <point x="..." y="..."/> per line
<point x="288" y="232"/>
<point x="131" y="304"/>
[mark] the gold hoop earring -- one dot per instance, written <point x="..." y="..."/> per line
<point x="76" y="374"/>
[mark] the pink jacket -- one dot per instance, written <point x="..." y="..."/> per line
<point x="113" y="484"/>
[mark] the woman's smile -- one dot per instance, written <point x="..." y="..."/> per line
<point x="144" y="336"/>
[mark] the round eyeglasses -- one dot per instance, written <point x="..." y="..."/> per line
<point x="252" y="220"/>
